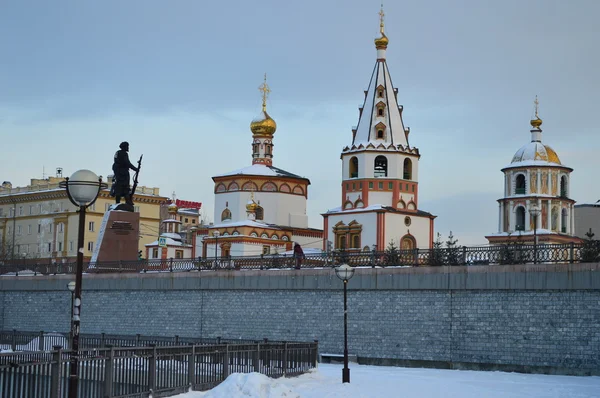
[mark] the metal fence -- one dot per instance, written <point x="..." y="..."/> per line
<point x="18" y="340"/>
<point x="148" y="371"/>
<point x="514" y="253"/>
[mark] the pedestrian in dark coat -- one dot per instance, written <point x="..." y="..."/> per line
<point x="298" y="255"/>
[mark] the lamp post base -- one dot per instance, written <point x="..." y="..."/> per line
<point x="345" y="375"/>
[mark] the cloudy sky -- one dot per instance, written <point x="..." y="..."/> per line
<point x="178" y="80"/>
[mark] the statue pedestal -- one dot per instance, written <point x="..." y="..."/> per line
<point x="118" y="238"/>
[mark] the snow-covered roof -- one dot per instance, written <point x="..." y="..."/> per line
<point x="261" y="170"/>
<point x="536" y="152"/>
<point x="340" y="210"/>
<point x="170" y="235"/>
<point x="169" y="242"/>
<point x="394" y="131"/>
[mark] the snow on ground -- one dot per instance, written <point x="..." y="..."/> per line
<point x="380" y="381"/>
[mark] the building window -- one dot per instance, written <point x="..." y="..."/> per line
<point x="226" y="215"/>
<point x="520" y="219"/>
<point x="354" y="186"/>
<point x="370" y="184"/>
<point x="260" y="213"/>
<point x="390" y="185"/>
<point x="353" y="167"/>
<point x="178" y="253"/>
<point x="380" y="112"/>
<point x="91" y="226"/>
<point x="407" y="169"/>
<point x="564" y="221"/>
<point x="380" y="166"/>
<point x="520" y="185"/>
<point x="186" y="220"/>
<point x="29" y="229"/>
<point x="193" y="221"/>
<point x="18" y="230"/>
<point x="380" y="134"/>
<point x="61" y="228"/>
<point x="20" y="210"/>
<point x="11" y="212"/>
<point x="266" y="249"/>
<point x="381" y="185"/>
<point x="90" y="246"/>
<point x="31" y="210"/>
<point x="155" y="253"/>
<point x="40" y="208"/>
<point x="71" y="246"/>
<point x="8" y="230"/>
<point x="49" y="247"/>
<point x="59" y="246"/>
<point x="39" y="228"/>
<point x="563" y="187"/>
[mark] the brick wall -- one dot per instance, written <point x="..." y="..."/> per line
<point x="476" y="325"/>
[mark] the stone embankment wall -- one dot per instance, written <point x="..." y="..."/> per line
<point x="537" y="318"/>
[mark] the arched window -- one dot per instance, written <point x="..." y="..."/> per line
<point x="380" y="112"/>
<point x="381" y="166"/>
<point x="564" y="220"/>
<point x="226" y="215"/>
<point x="520" y="185"/>
<point x="407" y="169"/>
<point x="260" y="213"/>
<point x="564" y="193"/>
<point x="520" y="219"/>
<point x="341" y="242"/>
<point x="354" y="167"/>
<point x="356" y="241"/>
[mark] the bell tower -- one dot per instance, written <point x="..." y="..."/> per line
<point x="380" y="166"/>
<point x="263" y="127"/>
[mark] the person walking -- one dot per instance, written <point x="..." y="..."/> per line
<point x="298" y="255"/>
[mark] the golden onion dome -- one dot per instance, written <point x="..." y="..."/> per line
<point x="381" y="42"/>
<point x="263" y="125"/>
<point x="536" y="123"/>
<point x="536" y="151"/>
<point x="251" y="206"/>
<point x="172" y="208"/>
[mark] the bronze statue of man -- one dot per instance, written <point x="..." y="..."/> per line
<point x="120" y="187"/>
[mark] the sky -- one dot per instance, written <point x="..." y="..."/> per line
<point x="179" y="81"/>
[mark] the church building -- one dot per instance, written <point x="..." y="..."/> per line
<point x="536" y="195"/>
<point x="259" y="209"/>
<point x="380" y="174"/>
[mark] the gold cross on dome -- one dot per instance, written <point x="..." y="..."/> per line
<point x="381" y="15"/>
<point x="174" y="197"/>
<point x="265" y="90"/>
<point x="537" y="104"/>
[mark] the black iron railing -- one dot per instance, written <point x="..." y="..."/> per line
<point x="148" y="371"/>
<point x="513" y="253"/>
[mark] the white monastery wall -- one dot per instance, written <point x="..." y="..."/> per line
<point x="395" y="229"/>
<point x="381" y="197"/>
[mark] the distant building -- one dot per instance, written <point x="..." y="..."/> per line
<point x="174" y="245"/>
<point x="39" y="222"/>
<point x="536" y="178"/>
<point x="587" y="216"/>
<point x="188" y="213"/>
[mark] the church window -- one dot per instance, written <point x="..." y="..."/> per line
<point x="347" y="187"/>
<point x="266" y="250"/>
<point x="520" y="225"/>
<point x="226" y="215"/>
<point x="355" y="230"/>
<point x="233" y="187"/>
<point x="275" y="237"/>
<point x="264" y="236"/>
<point x="285" y="188"/>
<point x="380" y="112"/>
<point x="520" y="185"/>
<point x="353" y="167"/>
<point x="412" y="206"/>
<point x="380" y="134"/>
<point x="390" y="185"/>
<point x="563" y="187"/>
<point x="354" y="186"/>
<point x="155" y="253"/>
<point x="298" y="189"/>
<point x="359" y="204"/>
<point x="178" y="253"/>
<point x="285" y="238"/>
<point x="220" y="188"/>
<point x="341" y="242"/>
<point x="269" y="187"/>
<point x="407" y="169"/>
<point x="268" y="149"/>
<point x="564" y="221"/>
<point x="355" y="241"/>
<point x="412" y="187"/>
<point x="381" y="185"/>
<point x="406" y="187"/>
<point x="360" y="185"/>
<point x="381" y="166"/>
<point x="260" y="213"/>
<point x="340" y="230"/>
<point x="370" y="184"/>
<point x="249" y="186"/>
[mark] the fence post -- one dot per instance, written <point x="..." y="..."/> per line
<point x="109" y="363"/>
<point x="138" y="338"/>
<point x="55" y="376"/>
<point x="192" y="367"/>
<point x="13" y="344"/>
<point x="256" y="358"/>
<point x="285" y="356"/>
<point x="41" y="341"/>
<point x="464" y="255"/>
<point x="416" y="254"/>
<point x="171" y="264"/>
<point x="572" y="253"/>
<point x="315" y="353"/>
<point x="152" y="370"/>
<point x="176" y="339"/>
<point x="102" y="340"/>
<point x="226" y="362"/>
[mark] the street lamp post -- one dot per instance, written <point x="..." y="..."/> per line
<point x="216" y="235"/>
<point x="82" y="188"/>
<point x="71" y="287"/>
<point x="345" y="273"/>
<point x="534" y="210"/>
